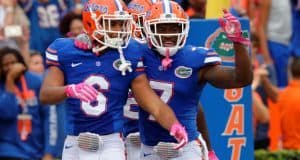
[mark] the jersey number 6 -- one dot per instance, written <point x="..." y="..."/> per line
<point x="97" y="107"/>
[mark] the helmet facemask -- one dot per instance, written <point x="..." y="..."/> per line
<point x="139" y="32"/>
<point x="158" y="38"/>
<point x="113" y="30"/>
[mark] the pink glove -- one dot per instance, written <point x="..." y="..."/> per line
<point x="81" y="91"/>
<point x="212" y="155"/>
<point x="178" y="131"/>
<point x="82" y="41"/>
<point x="232" y="28"/>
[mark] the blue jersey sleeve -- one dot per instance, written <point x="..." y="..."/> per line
<point x="206" y="57"/>
<point x="139" y="68"/>
<point x="211" y="57"/>
<point x="136" y="51"/>
<point x="54" y="53"/>
<point x="9" y="107"/>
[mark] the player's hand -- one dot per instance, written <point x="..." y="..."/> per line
<point x="179" y="133"/>
<point x="232" y="28"/>
<point x="83" y="41"/>
<point x="82" y="91"/>
<point x="212" y="155"/>
<point x="15" y="70"/>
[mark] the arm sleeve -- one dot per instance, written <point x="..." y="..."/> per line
<point x="9" y="107"/>
<point x="139" y="68"/>
<point x="53" y="56"/>
<point x="211" y="57"/>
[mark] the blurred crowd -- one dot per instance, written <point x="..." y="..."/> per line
<point x="27" y="27"/>
<point x="275" y="35"/>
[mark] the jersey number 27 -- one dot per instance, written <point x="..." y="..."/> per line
<point x="164" y="89"/>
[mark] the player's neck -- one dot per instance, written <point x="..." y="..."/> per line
<point x="157" y="54"/>
<point x="99" y="49"/>
<point x="104" y="51"/>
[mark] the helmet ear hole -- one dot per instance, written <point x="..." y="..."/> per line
<point x="89" y="24"/>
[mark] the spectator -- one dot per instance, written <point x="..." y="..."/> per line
<point x="36" y="63"/>
<point x="288" y="103"/>
<point x="22" y="119"/>
<point x="71" y="25"/>
<point x="55" y="122"/>
<point x="259" y="98"/>
<point x="274" y="34"/>
<point x="260" y="110"/>
<point x="14" y="27"/>
<point x="44" y="16"/>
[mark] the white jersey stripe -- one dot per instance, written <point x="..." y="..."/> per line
<point x="212" y="59"/>
<point x="51" y="56"/>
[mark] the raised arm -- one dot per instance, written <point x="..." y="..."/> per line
<point x="229" y="77"/>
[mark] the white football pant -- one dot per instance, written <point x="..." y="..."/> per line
<point x="133" y="146"/>
<point x="191" y="151"/>
<point x="111" y="148"/>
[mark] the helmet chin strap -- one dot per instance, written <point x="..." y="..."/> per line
<point x="96" y="49"/>
<point x="166" y="62"/>
<point x="125" y="65"/>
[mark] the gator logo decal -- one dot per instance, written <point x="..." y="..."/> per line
<point x="116" y="64"/>
<point x="223" y="46"/>
<point x="183" y="72"/>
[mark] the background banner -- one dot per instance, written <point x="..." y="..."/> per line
<point x="228" y="112"/>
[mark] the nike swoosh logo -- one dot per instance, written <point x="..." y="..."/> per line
<point x="76" y="64"/>
<point x="145" y="155"/>
<point x="68" y="147"/>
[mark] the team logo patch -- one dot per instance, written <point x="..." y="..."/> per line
<point x="116" y="64"/>
<point x="183" y="72"/>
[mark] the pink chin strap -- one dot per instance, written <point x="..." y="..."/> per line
<point x="166" y="62"/>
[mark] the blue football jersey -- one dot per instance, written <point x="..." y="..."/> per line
<point x="44" y="21"/>
<point x="131" y="115"/>
<point x="104" y="116"/>
<point x="179" y="87"/>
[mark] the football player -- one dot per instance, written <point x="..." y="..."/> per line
<point x="95" y="84"/>
<point x="138" y="8"/>
<point x="178" y="73"/>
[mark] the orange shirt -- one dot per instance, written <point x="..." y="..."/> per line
<point x="289" y="106"/>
